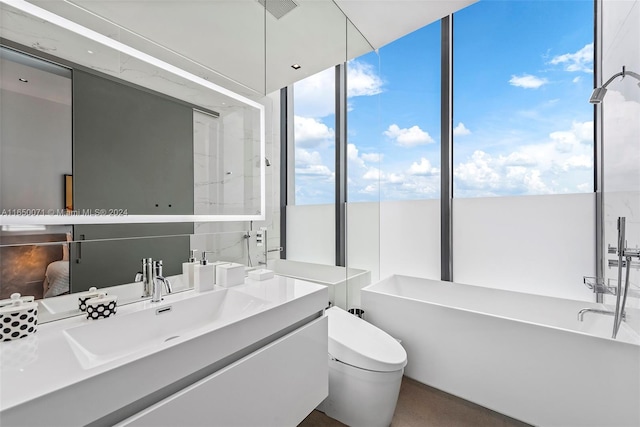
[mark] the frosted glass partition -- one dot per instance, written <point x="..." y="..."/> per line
<point x="535" y="244"/>
<point x="310" y="233"/>
<point x="363" y="237"/>
<point x="410" y="238"/>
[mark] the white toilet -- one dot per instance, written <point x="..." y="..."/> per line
<point x="365" y="371"/>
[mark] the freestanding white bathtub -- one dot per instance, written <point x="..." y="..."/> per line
<point x="526" y="356"/>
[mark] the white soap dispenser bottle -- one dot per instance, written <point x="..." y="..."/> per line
<point x="203" y="274"/>
<point x="188" y="268"/>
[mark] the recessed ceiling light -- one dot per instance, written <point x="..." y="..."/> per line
<point x="296" y="66"/>
<point x="90" y="51"/>
<point x="23" y="80"/>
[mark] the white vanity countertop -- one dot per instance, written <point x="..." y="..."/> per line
<point x="45" y="362"/>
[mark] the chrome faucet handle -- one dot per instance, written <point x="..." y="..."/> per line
<point x="146" y="276"/>
<point x="157" y="268"/>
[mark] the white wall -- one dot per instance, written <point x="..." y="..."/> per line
<point x="534" y="244"/>
<point x="34" y="145"/>
<point x="310" y="234"/>
<point x="363" y="237"/>
<point x="410" y="238"/>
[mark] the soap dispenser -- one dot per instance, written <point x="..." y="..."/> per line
<point x="188" y="268"/>
<point x="203" y="274"/>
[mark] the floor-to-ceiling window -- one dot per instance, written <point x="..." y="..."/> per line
<point x="313" y="180"/>
<point x="394" y="156"/>
<point x="523" y="74"/>
<point x="522" y="125"/>
<point x="523" y="164"/>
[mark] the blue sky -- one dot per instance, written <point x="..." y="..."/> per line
<point x="522" y="79"/>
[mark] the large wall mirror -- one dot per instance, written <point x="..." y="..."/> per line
<point x="144" y="155"/>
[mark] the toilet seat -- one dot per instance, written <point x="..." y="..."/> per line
<point x="362" y="345"/>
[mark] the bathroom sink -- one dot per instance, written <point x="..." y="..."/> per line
<point x="101" y="341"/>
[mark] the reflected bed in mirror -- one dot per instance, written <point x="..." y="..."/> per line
<point x="56" y="269"/>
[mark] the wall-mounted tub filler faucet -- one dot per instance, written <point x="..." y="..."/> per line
<point x="582" y="312"/>
<point x="625" y="260"/>
<point x="152" y="280"/>
<point x="261" y="240"/>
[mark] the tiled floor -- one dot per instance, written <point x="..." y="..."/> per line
<point x="423" y="406"/>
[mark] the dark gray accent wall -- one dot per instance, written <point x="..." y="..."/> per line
<point x="114" y="262"/>
<point x="132" y="150"/>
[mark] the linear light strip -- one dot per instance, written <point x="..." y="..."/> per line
<point x="148" y="40"/>
<point x="21" y="220"/>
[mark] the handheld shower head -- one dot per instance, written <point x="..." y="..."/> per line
<point x="598" y="93"/>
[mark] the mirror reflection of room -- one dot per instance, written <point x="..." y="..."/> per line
<point x="35" y="158"/>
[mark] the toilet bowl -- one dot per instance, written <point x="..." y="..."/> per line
<point x="365" y="371"/>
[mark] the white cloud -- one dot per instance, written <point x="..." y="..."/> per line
<point x="581" y="132"/>
<point x="561" y="163"/>
<point x="372" y="157"/>
<point x="423" y="168"/>
<point x="582" y="60"/>
<point x="461" y="130"/>
<point x="621" y="129"/>
<point x="527" y="81"/>
<point x="362" y="79"/>
<point x="353" y="157"/>
<point x="372" y="174"/>
<point x="408" y="137"/>
<point x="309" y="163"/>
<point x="585" y="187"/>
<point x="314" y="170"/>
<point x="315" y="95"/>
<point x="582" y="161"/>
<point x="311" y="132"/>
<point x="576" y="79"/>
<point x="306" y="157"/>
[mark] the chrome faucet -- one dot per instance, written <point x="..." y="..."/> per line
<point x="151" y="278"/>
<point x="582" y="312"/>
<point x="158" y="279"/>
<point x="146" y="277"/>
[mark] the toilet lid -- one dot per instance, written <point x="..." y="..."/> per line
<point x="360" y="344"/>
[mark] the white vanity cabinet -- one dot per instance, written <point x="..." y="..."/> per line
<point x="277" y="385"/>
<point x="251" y="355"/>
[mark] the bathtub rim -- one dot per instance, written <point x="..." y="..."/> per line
<point x="629" y="331"/>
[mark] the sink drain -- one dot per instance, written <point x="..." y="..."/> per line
<point x="171" y="338"/>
